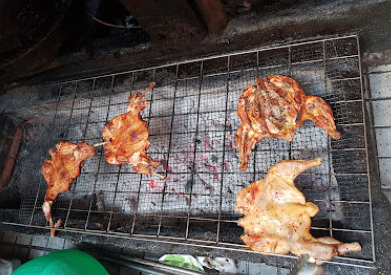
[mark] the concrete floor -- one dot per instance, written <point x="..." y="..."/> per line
<point x="26" y="247"/>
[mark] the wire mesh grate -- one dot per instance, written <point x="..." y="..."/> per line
<point x="192" y="120"/>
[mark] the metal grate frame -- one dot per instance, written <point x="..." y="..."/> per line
<point x="192" y="119"/>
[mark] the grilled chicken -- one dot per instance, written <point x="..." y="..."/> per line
<point x="60" y="171"/>
<point x="274" y="108"/>
<point x="278" y="218"/>
<point x="127" y="137"/>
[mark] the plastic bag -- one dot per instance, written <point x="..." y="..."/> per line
<point x="183" y="261"/>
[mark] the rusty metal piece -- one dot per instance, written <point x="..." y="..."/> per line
<point x="11" y="157"/>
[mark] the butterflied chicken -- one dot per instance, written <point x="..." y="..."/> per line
<point x="60" y="171"/>
<point x="127" y="135"/>
<point x="274" y="108"/>
<point x="277" y="218"/>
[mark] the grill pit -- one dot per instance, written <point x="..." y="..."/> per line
<point x="192" y="121"/>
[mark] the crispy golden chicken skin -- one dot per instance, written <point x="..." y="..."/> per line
<point x="274" y="108"/>
<point x="60" y="171"/>
<point x="277" y="218"/>
<point x="127" y="137"/>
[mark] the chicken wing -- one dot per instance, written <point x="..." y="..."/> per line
<point x="60" y="171"/>
<point x="274" y="108"/>
<point x="127" y="137"/>
<point x="278" y="218"/>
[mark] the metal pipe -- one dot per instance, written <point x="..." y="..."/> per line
<point x="147" y="266"/>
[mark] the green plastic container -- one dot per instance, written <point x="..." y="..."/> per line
<point x="62" y="262"/>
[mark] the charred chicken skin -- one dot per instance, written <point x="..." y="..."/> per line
<point x="127" y="137"/>
<point x="60" y="171"/>
<point x="278" y="218"/>
<point x="274" y="108"/>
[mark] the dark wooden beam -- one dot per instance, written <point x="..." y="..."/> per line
<point x="214" y="14"/>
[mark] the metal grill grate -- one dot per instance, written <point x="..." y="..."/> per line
<point x="192" y="120"/>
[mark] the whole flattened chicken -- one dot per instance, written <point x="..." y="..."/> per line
<point x="278" y="218"/>
<point x="274" y="108"/>
<point x="62" y="170"/>
<point x="127" y="137"/>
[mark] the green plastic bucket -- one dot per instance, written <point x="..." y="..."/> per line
<point x="62" y="262"/>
